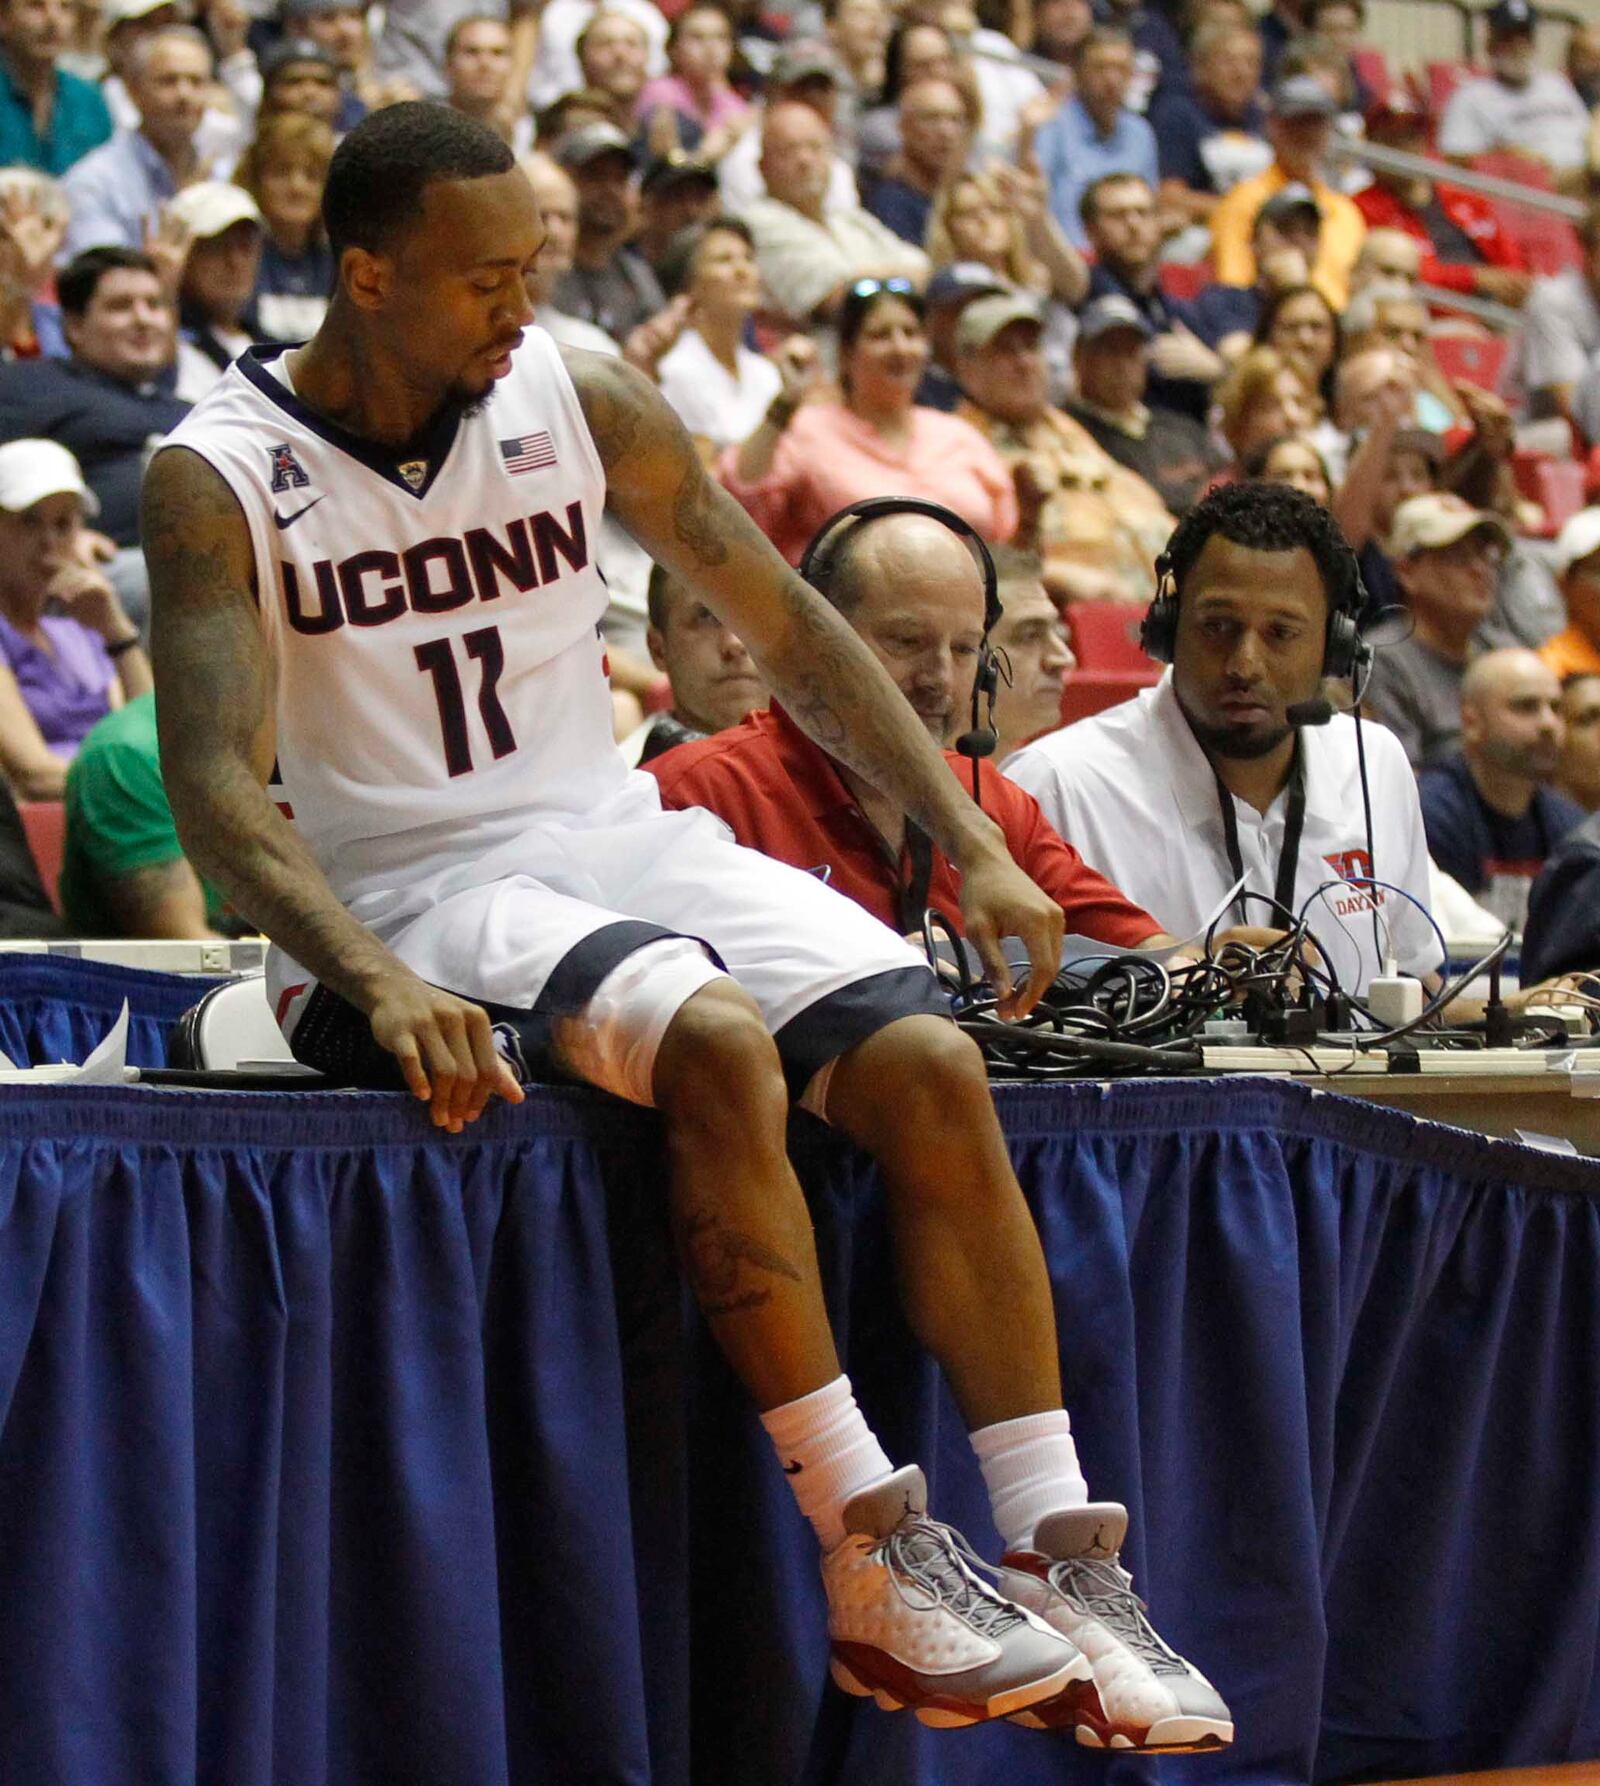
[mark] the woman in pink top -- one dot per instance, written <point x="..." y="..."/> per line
<point x="700" y="50"/>
<point x="806" y="461"/>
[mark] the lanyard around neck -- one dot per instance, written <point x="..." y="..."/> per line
<point x="1289" y="855"/>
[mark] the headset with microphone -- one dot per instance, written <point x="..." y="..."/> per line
<point x="1345" y="653"/>
<point x="817" y="564"/>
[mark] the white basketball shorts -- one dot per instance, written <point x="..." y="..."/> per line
<point x="581" y="956"/>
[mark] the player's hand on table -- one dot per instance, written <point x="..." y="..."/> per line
<point x="445" y="1047"/>
<point x="999" y="900"/>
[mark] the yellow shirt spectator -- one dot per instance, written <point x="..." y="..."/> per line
<point x="1300" y="130"/>
<point x="1339" y="238"/>
<point x="1571" y="653"/>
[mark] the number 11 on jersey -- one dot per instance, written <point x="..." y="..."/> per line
<point x="438" y="659"/>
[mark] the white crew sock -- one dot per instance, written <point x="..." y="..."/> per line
<point x="1030" y="1467"/>
<point x="828" y="1452"/>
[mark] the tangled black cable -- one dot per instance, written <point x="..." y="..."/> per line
<point x="1111" y="1015"/>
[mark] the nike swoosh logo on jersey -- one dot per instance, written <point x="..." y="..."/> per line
<point x="284" y="521"/>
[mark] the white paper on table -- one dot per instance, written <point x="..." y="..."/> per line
<point x="107" y="1063"/>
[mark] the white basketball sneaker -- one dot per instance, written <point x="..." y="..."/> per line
<point x="1149" y="1698"/>
<point x="914" y="1625"/>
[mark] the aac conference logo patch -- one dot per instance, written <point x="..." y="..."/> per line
<point x="287" y="471"/>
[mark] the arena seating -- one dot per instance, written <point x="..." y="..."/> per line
<point x="45" y="822"/>
<point x="1473" y="359"/>
<point x="1105" y="636"/>
<point x="1557" y="485"/>
<point x="1112" y="667"/>
<point x="1373" y="68"/>
<point x="1442" y="80"/>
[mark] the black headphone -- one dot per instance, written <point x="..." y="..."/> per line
<point x="1344" y="651"/>
<point x="816" y="564"/>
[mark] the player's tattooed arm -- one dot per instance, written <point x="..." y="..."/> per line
<point x="214" y="714"/>
<point x="214" y="679"/>
<point x="661" y="492"/>
<point x="659" y="489"/>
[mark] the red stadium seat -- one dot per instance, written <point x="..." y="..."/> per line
<point x="45" y="824"/>
<point x="1525" y="469"/>
<point x="1373" y="68"/>
<point x="1105" y="636"/>
<point x="1474" y="359"/>
<point x="1512" y="164"/>
<point x="1561" y="488"/>
<point x="1443" y="79"/>
<point x="1549" y="242"/>
<point x="1084" y="692"/>
<point x="1185" y="280"/>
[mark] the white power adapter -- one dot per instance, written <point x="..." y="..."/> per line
<point x="1394" y="998"/>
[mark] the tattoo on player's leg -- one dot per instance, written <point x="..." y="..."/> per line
<point x="720" y="1260"/>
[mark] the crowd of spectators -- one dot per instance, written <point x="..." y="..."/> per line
<point x="1063" y="268"/>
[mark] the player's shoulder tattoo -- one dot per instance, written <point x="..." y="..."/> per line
<point x="635" y="431"/>
<point x="615" y="400"/>
<point x="193" y="530"/>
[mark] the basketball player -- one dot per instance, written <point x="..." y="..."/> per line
<point x="375" y="589"/>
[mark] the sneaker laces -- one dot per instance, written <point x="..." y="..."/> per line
<point x="938" y="1561"/>
<point x="1103" y="1589"/>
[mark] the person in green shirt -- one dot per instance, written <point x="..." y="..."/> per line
<point x="123" y="872"/>
<point x="48" y="118"/>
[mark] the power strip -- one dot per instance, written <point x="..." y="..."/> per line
<point x="1335" y="1060"/>
<point x="1490" y="1061"/>
<point x="158" y="955"/>
<point x="1311" y="1059"/>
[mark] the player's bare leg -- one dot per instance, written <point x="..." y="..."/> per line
<point x="972" y="1271"/>
<point x="976" y="1290"/>
<point x="738" y="1212"/>
<point x="911" y="1624"/>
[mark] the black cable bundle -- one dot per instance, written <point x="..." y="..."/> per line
<point x="1107" y="1016"/>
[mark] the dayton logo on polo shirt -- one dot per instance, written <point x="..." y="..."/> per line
<point x="1353" y="865"/>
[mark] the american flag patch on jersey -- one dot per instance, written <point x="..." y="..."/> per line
<point x="528" y="452"/>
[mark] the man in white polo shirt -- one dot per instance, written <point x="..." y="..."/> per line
<point x="1177" y="794"/>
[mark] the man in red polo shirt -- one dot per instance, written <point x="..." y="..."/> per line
<point x="911" y="588"/>
<point x="1463" y="245"/>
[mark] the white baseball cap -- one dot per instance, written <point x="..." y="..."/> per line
<point x="1575" y="542"/>
<point x="124" y="12"/>
<point x="31" y="470"/>
<point x="211" y="206"/>
<point x="1424" y="523"/>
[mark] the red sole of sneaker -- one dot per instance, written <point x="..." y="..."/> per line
<point x="1076" y="1706"/>
<point x="869" y="1673"/>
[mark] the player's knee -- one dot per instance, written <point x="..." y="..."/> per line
<point x="718" y="1067"/>
<point x="932" y="1073"/>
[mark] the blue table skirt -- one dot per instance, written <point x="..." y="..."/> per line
<point x="335" y="1450"/>
<point x="53" y="1008"/>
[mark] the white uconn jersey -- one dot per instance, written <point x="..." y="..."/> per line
<point x="442" y="682"/>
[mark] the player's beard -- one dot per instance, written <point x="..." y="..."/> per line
<point x="462" y="403"/>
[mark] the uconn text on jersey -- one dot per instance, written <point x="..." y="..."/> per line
<point x="373" y="587"/>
